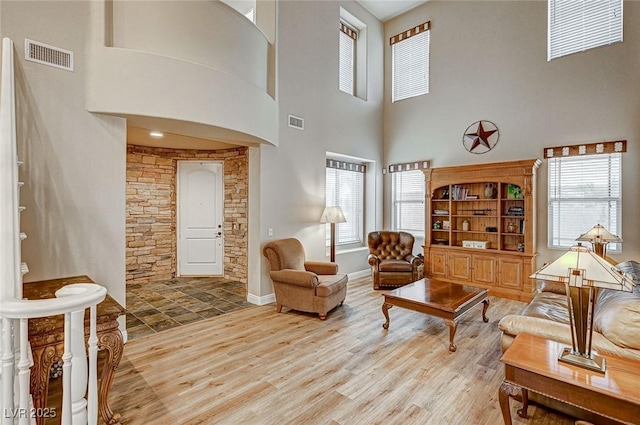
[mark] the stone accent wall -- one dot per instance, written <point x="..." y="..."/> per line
<point x="151" y="211"/>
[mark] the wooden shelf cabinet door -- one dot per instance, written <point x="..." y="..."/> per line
<point x="438" y="264"/>
<point x="484" y="269"/>
<point x="460" y="266"/>
<point x="510" y="272"/>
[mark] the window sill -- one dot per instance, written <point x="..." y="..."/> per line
<point x="350" y="250"/>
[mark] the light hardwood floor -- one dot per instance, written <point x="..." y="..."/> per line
<point x="255" y="366"/>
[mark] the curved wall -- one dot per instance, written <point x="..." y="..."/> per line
<point x="205" y="32"/>
<point x="197" y="62"/>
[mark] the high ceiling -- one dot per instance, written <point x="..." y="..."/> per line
<point x="139" y="127"/>
<point x="381" y="9"/>
<point x="387" y="9"/>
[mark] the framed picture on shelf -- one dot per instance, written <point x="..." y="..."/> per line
<point x="514" y="191"/>
<point x="446" y="225"/>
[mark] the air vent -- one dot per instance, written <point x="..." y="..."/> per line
<point x="35" y="51"/>
<point x="296" y="122"/>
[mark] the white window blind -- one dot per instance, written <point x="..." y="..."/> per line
<point x="408" y="201"/>
<point x="347" y="58"/>
<point x="584" y="191"/>
<point x="579" y="25"/>
<point x="345" y="189"/>
<point x="410" y="66"/>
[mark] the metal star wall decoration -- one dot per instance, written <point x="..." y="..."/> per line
<point x="480" y="137"/>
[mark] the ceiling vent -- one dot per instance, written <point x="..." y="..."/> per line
<point x="35" y="51"/>
<point x="296" y="122"/>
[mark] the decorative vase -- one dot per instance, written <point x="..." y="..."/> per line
<point x="489" y="191"/>
<point x="511" y="228"/>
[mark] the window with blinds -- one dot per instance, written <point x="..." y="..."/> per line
<point x="584" y="191"/>
<point x="410" y="63"/>
<point x="345" y="189"/>
<point x="579" y="25"/>
<point x="347" y="65"/>
<point x="408" y="201"/>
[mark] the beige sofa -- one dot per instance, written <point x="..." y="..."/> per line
<point x="616" y="324"/>
<point x="311" y="286"/>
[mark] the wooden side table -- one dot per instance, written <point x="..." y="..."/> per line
<point x="46" y="336"/>
<point x="531" y="364"/>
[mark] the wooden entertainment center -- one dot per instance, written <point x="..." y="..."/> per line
<point x="480" y="226"/>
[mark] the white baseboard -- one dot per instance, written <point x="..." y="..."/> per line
<point x="263" y="300"/>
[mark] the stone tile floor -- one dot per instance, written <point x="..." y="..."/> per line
<point x="165" y="304"/>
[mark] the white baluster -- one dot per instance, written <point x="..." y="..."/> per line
<point x="10" y="279"/>
<point x="24" y="366"/>
<point x="8" y="406"/>
<point x="66" y="372"/>
<point x="92" y="410"/>
<point x="78" y="369"/>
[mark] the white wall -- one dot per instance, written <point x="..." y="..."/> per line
<point x="488" y="61"/>
<point x="292" y="176"/>
<point x="74" y="170"/>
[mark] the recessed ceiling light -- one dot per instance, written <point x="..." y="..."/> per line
<point x="156" y="134"/>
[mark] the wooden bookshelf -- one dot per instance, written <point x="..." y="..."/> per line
<point x="480" y="226"/>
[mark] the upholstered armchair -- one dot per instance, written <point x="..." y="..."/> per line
<point x="311" y="286"/>
<point x="391" y="259"/>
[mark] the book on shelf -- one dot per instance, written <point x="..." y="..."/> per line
<point x="517" y="211"/>
<point x="459" y="193"/>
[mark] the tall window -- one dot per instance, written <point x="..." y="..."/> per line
<point x="347" y="69"/>
<point x="584" y="191"/>
<point x="408" y="201"/>
<point x="345" y="189"/>
<point x="579" y="25"/>
<point x="410" y="63"/>
<point x="244" y="7"/>
<point x="249" y="14"/>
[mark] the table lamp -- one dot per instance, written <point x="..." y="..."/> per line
<point x="599" y="238"/>
<point x="583" y="273"/>
<point x="333" y="215"/>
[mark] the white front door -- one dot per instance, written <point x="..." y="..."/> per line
<point x="200" y="218"/>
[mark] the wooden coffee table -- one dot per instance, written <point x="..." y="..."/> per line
<point x="531" y="364"/>
<point x="448" y="301"/>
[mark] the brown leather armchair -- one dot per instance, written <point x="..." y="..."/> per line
<point x="311" y="286"/>
<point x="391" y="259"/>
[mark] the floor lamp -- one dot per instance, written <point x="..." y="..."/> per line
<point x="333" y="215"/>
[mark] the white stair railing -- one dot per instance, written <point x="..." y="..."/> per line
<point x="72" y="300"/>
<point x="16" y="405"/>
<point x="10" y="275"/>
